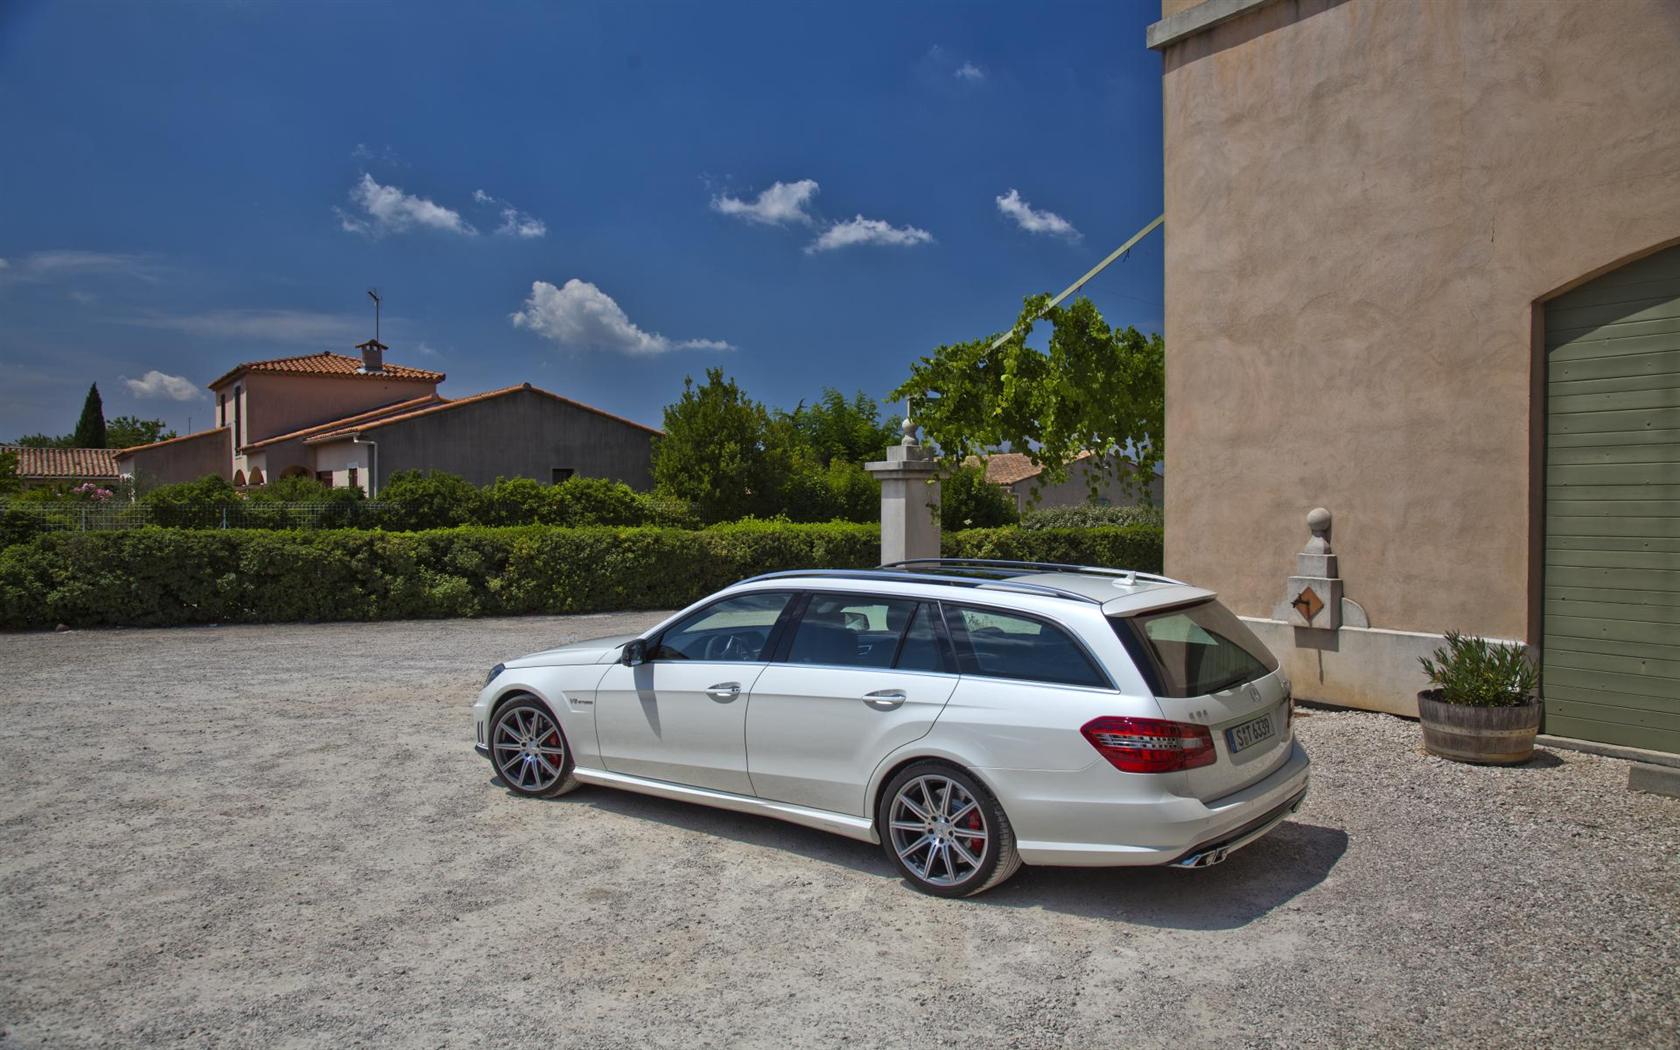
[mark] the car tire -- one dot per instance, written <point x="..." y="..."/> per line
<point x="524" y="738"/>
<point x="930" y="849"/>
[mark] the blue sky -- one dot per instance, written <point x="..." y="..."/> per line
<point x="186" y="186"/>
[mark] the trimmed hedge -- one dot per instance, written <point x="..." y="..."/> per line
<point x="160" y="577"/>
<point x="1120" y="546"/>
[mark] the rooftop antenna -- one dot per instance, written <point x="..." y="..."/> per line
<point x="373" y="293"/>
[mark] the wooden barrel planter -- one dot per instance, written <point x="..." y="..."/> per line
<point x="1490" y="736"/>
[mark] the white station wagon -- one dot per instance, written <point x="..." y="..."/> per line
<point x="968" y="716"/>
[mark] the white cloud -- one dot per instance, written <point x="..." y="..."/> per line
<point x="64" y="262"/>
<point x="390" y="210"/>
<point x="515" y="223"/>
<point x="867" y="231"/>
<point x="578" y="314"/>
<point x="257" y="326"/>
<point x="970" y="72"/>
<point x="782" y="203"/>
<point x="1035" y="220"/>
<point x="161" y="384"/>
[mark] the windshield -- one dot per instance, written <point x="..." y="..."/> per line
<point x="1196" y="649"/>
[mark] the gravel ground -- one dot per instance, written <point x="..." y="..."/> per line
<point x="280" y="836"/>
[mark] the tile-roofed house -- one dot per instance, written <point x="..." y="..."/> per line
<point x="1016" y="472"/>
<point x="518" y="431"/>
<point x="354" y="421"/>
<point x="49" y="466"/>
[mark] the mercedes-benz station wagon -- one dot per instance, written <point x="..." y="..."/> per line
<point x="968" y="716"/>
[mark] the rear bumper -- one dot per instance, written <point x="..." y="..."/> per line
<point x="1081" y="820"/>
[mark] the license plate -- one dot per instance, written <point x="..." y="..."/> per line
<point x="1240" y="738"/>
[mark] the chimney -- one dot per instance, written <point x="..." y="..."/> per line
<point x="373" y="355"/>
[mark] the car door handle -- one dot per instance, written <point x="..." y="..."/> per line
<point x="724" y="692"/>
<point x="885" y="699"/>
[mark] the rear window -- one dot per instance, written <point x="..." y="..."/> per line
<point x="1194" y="650"/>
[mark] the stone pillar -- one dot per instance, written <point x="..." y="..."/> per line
<point x="1314" y="594"/>
<point x="909" y="500"/>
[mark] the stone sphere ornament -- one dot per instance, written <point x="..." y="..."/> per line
<point x="1318" y="522"/>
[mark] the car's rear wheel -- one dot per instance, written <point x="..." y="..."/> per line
<point x="945" y="832"/>
<point x="528" y="749"/>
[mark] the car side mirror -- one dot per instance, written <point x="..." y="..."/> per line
<point x="635" y="652"/>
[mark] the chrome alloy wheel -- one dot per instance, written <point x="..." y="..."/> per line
<point x="938" y="830"/>
<point x="530" y="753"/>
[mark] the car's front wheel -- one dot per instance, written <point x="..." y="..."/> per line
<point x="945" y="831"/>
<point x="528" y="749"/>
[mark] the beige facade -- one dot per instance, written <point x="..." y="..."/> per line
<point x="1368" y="203"/>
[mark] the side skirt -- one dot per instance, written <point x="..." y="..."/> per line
<point x="860" y="828"/>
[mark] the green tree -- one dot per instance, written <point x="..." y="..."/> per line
<point x="968" y="501"/>
<point x="46" y="441"/>
<point x="1097" y="388"/>
<point x="721" y="451"/>
<point x="128" y="431"/>
<point x="834" y="428"/>
<point x="90" y="429"/>
<point x="9" y="480"/>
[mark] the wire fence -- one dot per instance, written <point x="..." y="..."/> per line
<point x="90" y="516"/>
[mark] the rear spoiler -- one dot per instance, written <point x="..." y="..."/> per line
<point x="1157" y="599"/>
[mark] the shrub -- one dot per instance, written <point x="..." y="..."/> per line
<point x="1478" y="673"/>
<point x="1120" y="547"/>
<point x="968" y="501"/>
<point x="1089" y="517"/>
<point x="514" y="501"/>
<point x="597" y="501"/>
<point x="159" y="577"/>
<point x="301" y="502"/>
<point x="426" y="499"/>
<point x="202" y="504"/>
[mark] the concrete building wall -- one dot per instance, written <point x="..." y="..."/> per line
<point x="181" y="459"/>
<point x="1366" y="202"/>
<point x="523" y="434"/>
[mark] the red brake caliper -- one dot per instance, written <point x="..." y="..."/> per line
<point x="975" y="824"/>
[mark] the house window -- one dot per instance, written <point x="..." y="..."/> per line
<point x="353" y="483"/>
<point x="324" y="477"/>
<point x="559" y="474"/>
<point x="238" y="419"/>
<point x="221" y="410"/>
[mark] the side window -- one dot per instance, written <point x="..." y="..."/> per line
<point x="1002" y="645"/>
<point x="922" y="649"/>
<point x="735" y="629"/>
<point x="845" y="630"/>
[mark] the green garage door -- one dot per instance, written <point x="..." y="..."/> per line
<point x="1611" y="647"/>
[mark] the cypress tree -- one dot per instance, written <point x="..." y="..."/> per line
<point x="90" y="429"/>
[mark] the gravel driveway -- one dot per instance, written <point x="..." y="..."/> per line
<point x="280" y="836"/>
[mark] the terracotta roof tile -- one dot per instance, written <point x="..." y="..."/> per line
<point x="64" y="463"/>
<point x="342" y="433"/>
<point x="329" y="364"/>
<point x="1007" y="468"/>
<point x="400" y="408"/>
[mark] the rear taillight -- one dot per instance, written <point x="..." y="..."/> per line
<point x="1150" y="745"/>
<point x="1288" y="711"/>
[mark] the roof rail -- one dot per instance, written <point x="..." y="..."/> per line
<point x="897" y="575"/>
<point x="1005" y="568"/>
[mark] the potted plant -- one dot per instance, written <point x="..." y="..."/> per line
<point x="1483" y="708"/>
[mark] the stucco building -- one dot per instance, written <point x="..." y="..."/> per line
<point x="1421" y="271"/>
<point x="350" y="421"/>
<point x="1016" y="472"/>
